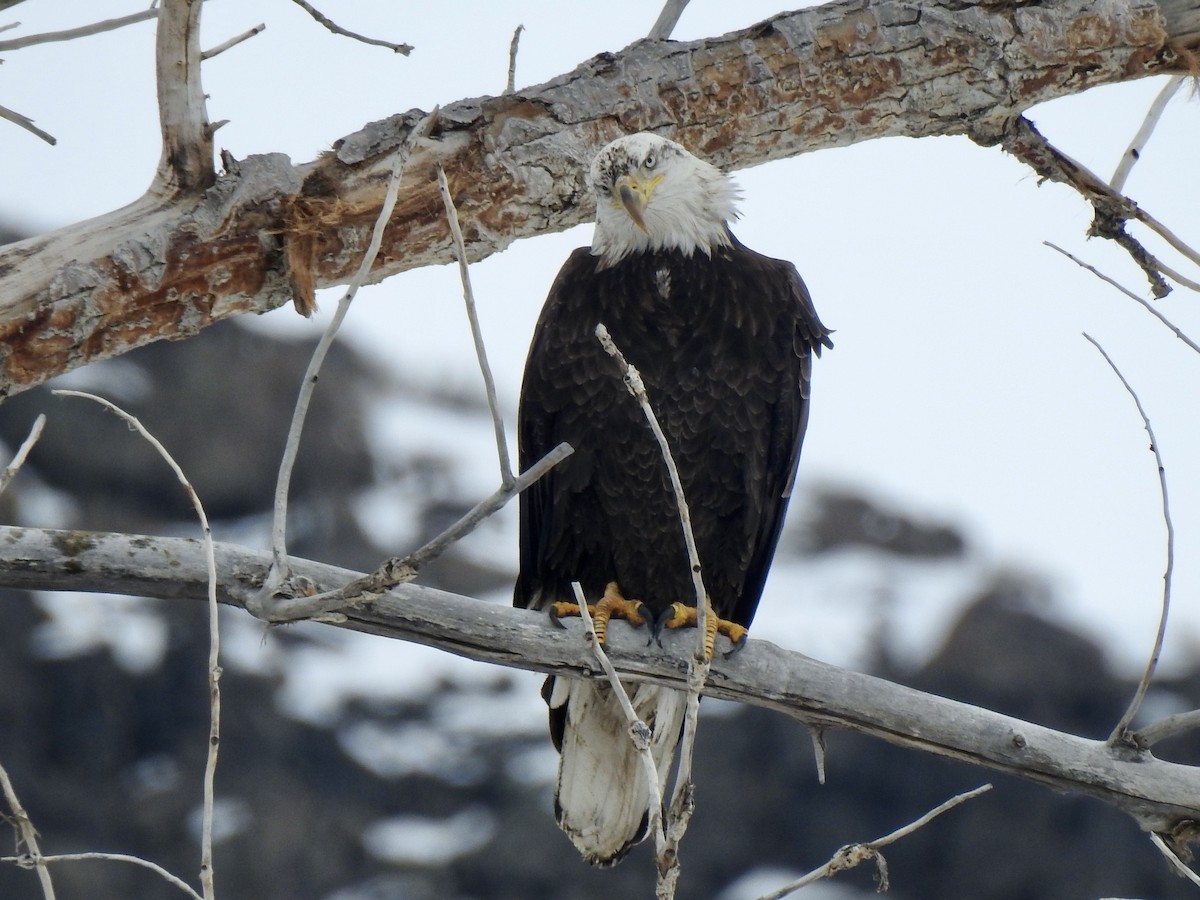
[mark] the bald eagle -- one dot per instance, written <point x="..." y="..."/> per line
<point x="723" y="338"/>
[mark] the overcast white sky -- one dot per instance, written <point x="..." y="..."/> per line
<point x="960" y="386"/>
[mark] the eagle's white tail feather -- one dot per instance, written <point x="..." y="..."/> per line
<point x="603" y="795"/>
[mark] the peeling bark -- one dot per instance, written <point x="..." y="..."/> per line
<point x="830" y="76"/>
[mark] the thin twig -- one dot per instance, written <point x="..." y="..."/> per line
<point x="851" y="855"/>
<point x="399" y="570"/>
<point x="28" y="834"/>
<point x="1169" y="727"/>
<point x="112" y="857"/>
<point x="1147" y="305"/>
<point x="489" y="383"/>
<point x="639" y="732"/>
<point x="511" y="84"/>
<point x="232" y="42"/>
<point x="27" y="123"/>
<point x="698" y="668"/>
<point x="403" y="49"/>
<point x="279" y="572"/>
<point x="667" y="20"/>
<point x="1120" y="732"/>
<point x="1134" y="151"/>
<point x="1173" y="859"/>
<point x="22" y="452"/>
<point x="214" y="635"/>
<point x="71" y="33"/>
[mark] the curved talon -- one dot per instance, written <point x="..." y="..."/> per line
<point x="738" y="643"/>
<point x="678" y="615"/>
<point x="557" y="611"/>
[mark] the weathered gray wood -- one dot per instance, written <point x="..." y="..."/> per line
<point x="847" y="71"/>
<point x="1161" y="796"/>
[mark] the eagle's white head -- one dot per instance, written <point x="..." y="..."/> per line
<point x="651" y="194"/>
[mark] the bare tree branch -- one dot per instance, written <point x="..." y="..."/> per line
<point x="489" y="383"/>
<point x="18" y="459"/>
<point x="667" y="20"/>
<point x="71" y="34"/>
<point x="1134" y="151"/>
<point x="639" y="732"/>
<point x="27" y="834"/>
<point x="214" y="636"/>
<point x="403" y="49"/>
<point x="401" y="570"/>
<point x="186" y="164"/>
<point x="305" y="305"/>
<point x="511" y="84"/>
<point x="1159" y="795"/>
<point x="820" y="77"/>
<point x="232" y="42"/>
<point x="1145" y="304"/>
<point x="854" y="854"/>
<point x="173" y="880"/>
<point x="27" y="123"/>
<point x="1171" y="726"/>
<point x="1120" y="733"/>
<point x="1112" y="210"/>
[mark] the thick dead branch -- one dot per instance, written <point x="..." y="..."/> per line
<point x="822" y="77"/>
<point x="186" y="163"/>
<point x="1161" y="796"/>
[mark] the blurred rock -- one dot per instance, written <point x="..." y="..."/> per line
<point x="841" y="518"/>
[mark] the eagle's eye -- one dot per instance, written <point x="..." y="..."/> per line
<point x="603" y="189"/>
<point x="650" y="161"/>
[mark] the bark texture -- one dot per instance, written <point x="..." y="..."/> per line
<point x="267" y="230"/>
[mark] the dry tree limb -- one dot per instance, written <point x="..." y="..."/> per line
<point x="173" y="880"/>
<point x="489" y="383"/>
<point x="853" y="854"/>
<point x="71" y="34"/>
<point x="1173" y="858"/>
<point x="18" y="459"/>
<point x="1120" y="733"/>
<point x="401" y="570"/>
<point x="1159" y="795"/>
<point x="214" y="635"/>
<point x="1177" y="724"/>
<point x="402" y="49"/>
<point x="682" y="793"/>
<point x="186" y="164"/>
<point x="27" y="123"/>
<point x="279" y="572"/>
<point x="232" y="42"/>
<point x="667" y="20"/>
<point x="511" y="84"/>
<point x="639" y="732"/>
<point x="1146" y="305"/>
<point x="26" y="834"/>
<point x="1112" y="210"/>
<point x="1134" y="151"/>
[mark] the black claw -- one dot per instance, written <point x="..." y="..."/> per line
<point x="659" y="623"/>
<point x="555" y="618"/>
<point x="737" y="645"/>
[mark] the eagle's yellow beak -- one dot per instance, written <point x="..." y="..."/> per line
<point x="634" y="195"/>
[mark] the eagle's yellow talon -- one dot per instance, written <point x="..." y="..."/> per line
<point x="612" y="605"/>
<point x="679" y="615"/>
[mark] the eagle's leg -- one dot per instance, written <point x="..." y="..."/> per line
<point x="612" y="605"/>
<point x="679" y="615"/>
